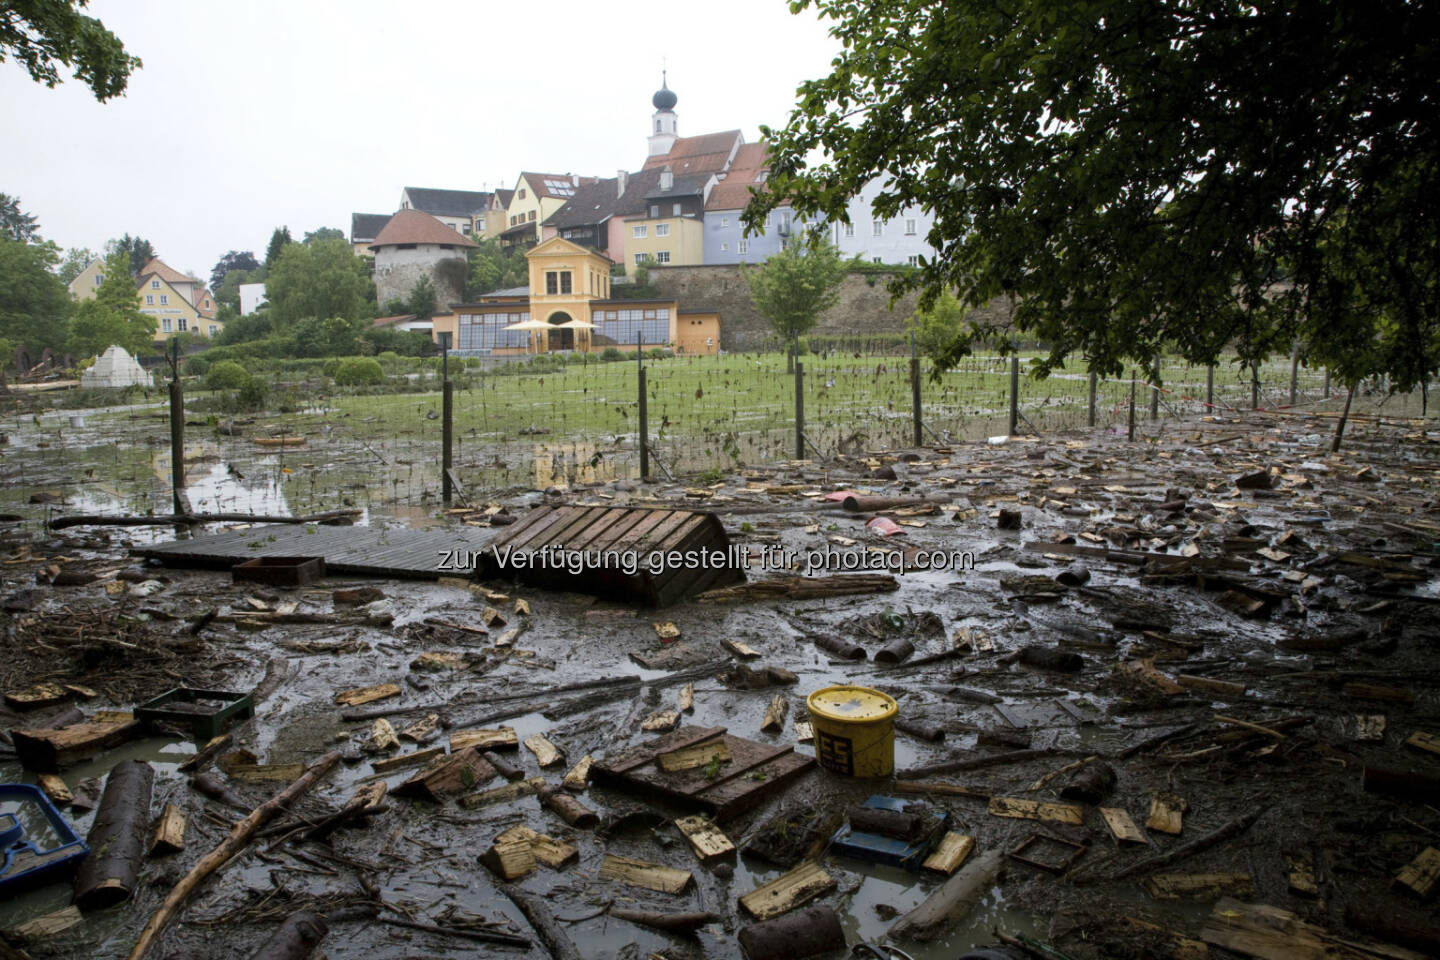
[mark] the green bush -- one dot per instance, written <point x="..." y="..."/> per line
<point x="359" y="371"/>
<point x="225" y="375"/>
<point x="611" y="354"/>
<point x="253" y="394"/>
<point x="196" y="366"/>
<point x="330" y="367"/>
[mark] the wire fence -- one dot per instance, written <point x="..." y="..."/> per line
<point x="310" y="445"/>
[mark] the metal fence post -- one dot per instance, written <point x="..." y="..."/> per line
<point x="447" y="422"/>
<point x="1014" y="393"/>
<point x="644" y="407"/>
<point x="1132" y="405"/>
<point x="915" y="390"/>
<point x="1327" y="383"/>
<point x="1209" y="386"/>
<point x="177" y="434"/>
<point x="1255" y="386"/>
<point x="799" y="406"/>
<point x="1155" y="391"/>
<point x="1094" y="380"/>
<point x="1294" y="373"/>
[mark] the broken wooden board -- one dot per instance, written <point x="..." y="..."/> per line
<point x="421" y="730"/>
<point x="1122" y="826"/>
<point x="169" y="835"/>
<point x="661" y="721"/>
<point x="37" y="697"/>
<point x="1166" y="812"/>
<point x="756" y="771"/>
<point x="265" y="772"/>
<point x="1198" y="886"/>
<point x="511" y="791"/>
<point x="694" y="548"/>
<point x="686" y="700"/>
<point x="695" y="755"/>
<point x="579" y="774"/>
<point x="46" y="927"/>
<point x="705" y="838"/>
<point x="55" y="789"/>
<point x="774" y="719"/>
<point x="1421" y="740"/>
<point x="1300" y="875"/>
<point x="51" y="750"/>
<point x="1036" y="810"/>
<point x="447" y="776"/>
<point x="509" y="859"/>
<point x="640" y="873"/>
<point x="382" y="737"/>
<point x="1269" y="933"/>
<point x="792" y="889"/>
<point x="1420" y="875"/>
<point x="546" y="753"/>
<point x="502" y="739"/>
<point x="401" y="760"/>
<point x="1143" y="671"/>
<point x="545" y="849"/>
<point x="363" y="695"/>
<point x="950" y="853"/>
<point x="740" y="648"/>
<point x="1179" y="947"/>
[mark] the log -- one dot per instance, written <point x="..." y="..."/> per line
<point x="169" y="836"/>
<point x="1386" y="924"/>
<point x="211" y="786"/>
<point x="972" y="763"/>
<point x="684" y="924"/>
<point x="70" y="715"/>
<point x="448" y="775"/>
<point x="117" y="839"/>
<point x="802" y="934"/>
<point x="887" y="823"/>
<point x="1224" y="832"/>
<point x="239" y="837"/>
<point x="191" y="519"/>
<point x="294" y="939"/>
<point x="543" y="921"/>
<point x="365" y="802"/>
<point x="1091" y="784"/>
<point x="896" y="651"/>
<point x="1051" y="658"/>
<point x="926" y="788"/>
<point x="572" y="811"/>
<point x="802" y="588"/>
<point x="208" y="753"/>
<point x="840" y="647"/>
<point x="952" y="902"/>
<point x="921" y="729"/>
<point x="502" y="766"/>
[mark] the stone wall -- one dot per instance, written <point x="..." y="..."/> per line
<point x="864" y="305"/>
<point x="397" y="271"/>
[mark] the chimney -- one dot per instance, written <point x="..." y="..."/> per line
<point x="622" y="180"/>
<point x="574" y="179"/>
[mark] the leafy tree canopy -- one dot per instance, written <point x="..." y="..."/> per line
<point x="492" y="268"/>
<point x="278" y="241"/>
<point x="233" y="260"/>
<point x="112" y="316"/>
<point x="34" y="305"/>
<point x="138" y="252"/>
<point x="324" y="233"/>
<point x="16" y="224"/>
<point x="421" y="301"/>
<point x="796" y="285"/>
<point x="1136" y="173"/>
<point x="44" y="35"/>
<point x="76" y="259"/>
<point x="323" y="279"/>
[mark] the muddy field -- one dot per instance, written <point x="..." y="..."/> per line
<point x="1245" y="638"/>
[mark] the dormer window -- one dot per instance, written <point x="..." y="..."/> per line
<point x="154" y="284"/>
<point x="521" y="195"/>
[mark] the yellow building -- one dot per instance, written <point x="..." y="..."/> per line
<point x="536" y="196"/>
<point x="89" y="280"/>
<point x="671" y="230"/>
<point x="493" y="220"/>
<point x="177" y="303"/>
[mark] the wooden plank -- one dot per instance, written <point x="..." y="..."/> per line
<point x="740" y="648"/>
<point x="1036" y="810"/>
<point x="51" y="750"/>
<point x="46" y="927"/>
<point x="661" y="721"/>
<point x="503" y="738"/>
<point x="645" y="753"/>
<point x="696" y="755"/>
<point x="579" y="774"/>
<point x="509" y="859"/>
<point x="617" y="532"/>
<point x="447" y="776"/>
<point x="950" y="853"/>
<point x="169" y="836"/>
<point x="641" y="873"/>
<point x="707" y="840"/>
<point x="546" y="753"/>
<point x="1420" y="875"/>
<point x="265" y="772"/>
<point x="511" y="791"/>
<point x="363" y="695"/>
<point x="774" y="719"/>
<point x="400" y="760"/>
<point x="1166" y="811"/>
<point x="1421" y="740"/>
<point x="1122" y="826"/>
<point x="1181" y="947"/>
<point x="792" y="889"/>
<point x="1198" y="886"/>
<point x="1269" y="933"/>
<point x="545" y="849"/>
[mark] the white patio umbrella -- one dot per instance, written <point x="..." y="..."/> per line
<point x="579" y="325"/>
<point x="531" y="326"/>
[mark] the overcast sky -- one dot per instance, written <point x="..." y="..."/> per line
<point x="248" y="116"/>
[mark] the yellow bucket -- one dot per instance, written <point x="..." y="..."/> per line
<point x="854" y="730"/>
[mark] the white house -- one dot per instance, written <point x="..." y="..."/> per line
<point x="901" y="239"/>
<point x="251" y="296"/>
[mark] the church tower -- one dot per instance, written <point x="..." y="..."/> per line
<point x="662" y="125"/>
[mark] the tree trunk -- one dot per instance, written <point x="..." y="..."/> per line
<point x="952" y="902"/>
<point x="803" y="933"/>
<point x="1340" y="424"/>
<point x="543" y="921"/>
<point x="117" y="838"/>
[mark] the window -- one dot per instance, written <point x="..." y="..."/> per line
<point x="663" y="256"/>
<point x="165" y="325"/>
<point x="521" y="195"/>
<point x="654" y="209"/>
<point x="512" y="221"/>
<point x="724" y="247"/>
<point x="849" y="229"/>
<point x="724" y="221"/>
<point x="154" y="284"/>
<point x="181" y="324"/>
<point x="465" y="228"/>
<point x="675" y="209"/>
<point x="877" y="228"/>
<point x="149" y="299"/>
<point x="742" y="246"/>
<point x="625" y="326"/>
<point x="565" y="282"/>
<point x="909" y="228"/>
<point x="876" y="260"/>
<point x="552" y="282"/>
<point x="532" y="214"/>
<point x="641" y="258"/>
<point x="640" y="230"/>
<point x="164" y="299"/>
<point x="486" y="331"/>
<point x="662" y="229"/>
<point x="914" y="260"/>
<point x="214" y="330"/>
<point x="99" y="279"/>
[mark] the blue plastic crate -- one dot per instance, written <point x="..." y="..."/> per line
<point x="27" y="863"/>
<point x="877" y="848"/>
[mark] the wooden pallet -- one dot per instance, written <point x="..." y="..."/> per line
<point x="628" y="552"/>
<point x="754" y="772"/>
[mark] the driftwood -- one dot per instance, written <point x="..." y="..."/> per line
<point x="1150" y="743"/>
<point x="894" y="652"/>
<point x="952" y="902"/>
<point x="921" y="729"/>
<point x="572" y="811"/>
<point x="840" y="647"/>
<point x="191" y="519"/>
<point x="502" y="766"/>
<point x="802" y="588"/>
<point x="479" y="936"/>
<point x="239" y="837"/>
<point x="117" y="839"/>
<point x="803" y="933"/>
<point x="1051" y="658"/>
<point x="1092" y="783"/>
<point x="210" y="785"/>
<point x="681" y="923"/>
<point x="973" y="763"/>
<point x="543" y="922"/>
<point x="365" y="802"/>
<point x="1224" y="832"/>
<point x="888" y="823"/>
<point x="295" y="938"/>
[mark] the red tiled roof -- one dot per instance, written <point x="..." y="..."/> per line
<point x="537" y="184"/>
<point x="201" y="298"/>
<point x="413" y="226"/>
<point x="159" y="268"/>
<point x="705" y="145"/>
